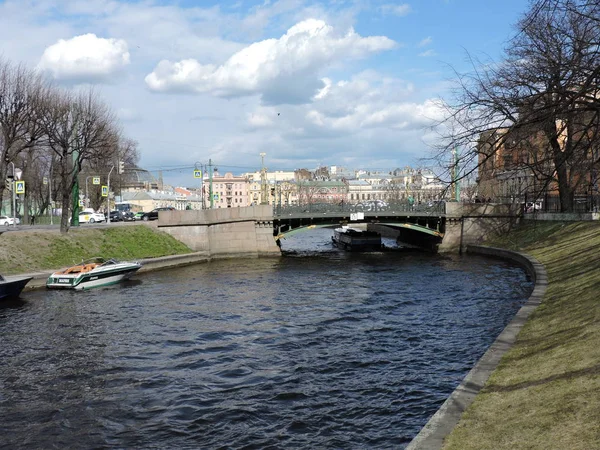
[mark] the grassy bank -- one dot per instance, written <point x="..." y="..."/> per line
<point x="30" y="251"/>
<point x="545" y="394"/>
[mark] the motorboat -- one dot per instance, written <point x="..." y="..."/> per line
<point x="11" y="286"/>
<point x="92" y="273"/>
<point x="355" y="239"/>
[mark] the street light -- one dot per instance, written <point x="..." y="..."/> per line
<point x="108" y="196"/>
<point x="14" y="198"/>
<point x="264" y="200"/>
<point x="87" y="199"/>
<point x="201" y="166"/>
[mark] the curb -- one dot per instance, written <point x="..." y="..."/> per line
<point x="432" y="435"/>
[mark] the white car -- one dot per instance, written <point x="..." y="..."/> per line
<point x="5" y="220"/>
<point x="91" y="217"/>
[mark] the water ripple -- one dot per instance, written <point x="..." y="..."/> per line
<point x="332" y="350"/>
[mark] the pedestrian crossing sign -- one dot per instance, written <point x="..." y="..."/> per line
<point x="20" y="187"/>
<point x="96" y="180"/>
<point x="197" y="174"/>
<point x="104" y="191"/>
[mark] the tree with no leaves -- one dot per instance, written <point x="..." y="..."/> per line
<point x="544" y="98"/>
<point x="21" y="91"/>
<point x="76" y="127"/>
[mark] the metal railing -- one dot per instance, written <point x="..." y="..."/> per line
<point x="368" y="207"/>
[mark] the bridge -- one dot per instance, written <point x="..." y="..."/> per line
<point x="253" y="231"/>
<point x="422" y="225"/>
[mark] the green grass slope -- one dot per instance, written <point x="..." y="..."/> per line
<point x="30" y="251"/>
<point x="545" y="394"/>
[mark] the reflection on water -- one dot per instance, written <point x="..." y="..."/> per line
<point x="317" y="349"/>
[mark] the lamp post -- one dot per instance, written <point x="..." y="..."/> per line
<point x="210" y="183"/>
<point x="50" y="193"/>
<point x="87" y="199"/>
<point x="201" y="166"/>
<point x="264" y="200"/>
<point x="108" y="195"/>
<point x="14" y="198"/>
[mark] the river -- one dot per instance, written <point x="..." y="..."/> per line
<point x="317" y="349"/>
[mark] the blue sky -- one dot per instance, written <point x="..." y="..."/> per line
<point x="347" y="83"/>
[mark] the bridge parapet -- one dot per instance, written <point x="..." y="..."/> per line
<point x="260" y="213"/>
<point x="368" y="208"/>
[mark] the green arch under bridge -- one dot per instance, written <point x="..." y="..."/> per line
<point x="410" y="226"/>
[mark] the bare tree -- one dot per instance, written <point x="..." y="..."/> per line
<point x="542" y="99"/>
<point x="77" y="127"/>
<point x="21" y="91"/>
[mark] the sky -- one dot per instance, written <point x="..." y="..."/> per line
<point x="347" y="83"/>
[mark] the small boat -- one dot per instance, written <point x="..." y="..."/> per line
<point x="92" y="273"/>
<point x="354" y="239"/>
<point x="11" y="286"/>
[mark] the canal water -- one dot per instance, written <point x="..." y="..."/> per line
<point x="317" y="349"/>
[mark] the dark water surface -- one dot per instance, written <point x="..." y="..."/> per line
<point x="313" y="350"/>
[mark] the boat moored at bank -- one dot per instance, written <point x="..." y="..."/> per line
<point x="92" y="273"/>
<point x="354" y="239"/>
<point x="11" y="286"/>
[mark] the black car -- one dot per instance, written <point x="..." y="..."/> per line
<point x="128" y="216"/>
<point x="116" y="216"/>
<point x="153" y="215"/>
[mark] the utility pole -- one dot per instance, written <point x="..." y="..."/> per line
<point x="199" y="164"/>
<point x="210" y="184"/>
<point x="264" y="200"/>
<point x="14" y="198"/>
<point x="455" y="171"/>
<point x="50" y="193"/>
<point x="108" y="195"/>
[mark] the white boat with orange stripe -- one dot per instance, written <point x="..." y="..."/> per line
<point x="92" y="273"/>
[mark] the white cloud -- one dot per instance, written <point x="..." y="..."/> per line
<point x="425" y="42"/>
<point x="259" y="120"/>
<point x="284" y="70"/>
<point x="428" y="53"/>
<point x="367" y="102"/>
<point x="85" y="58"/>
<point x="398" y="10"/>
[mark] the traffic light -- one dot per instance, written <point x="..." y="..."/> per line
<point x="121" y="166"/>
<point x="273" y="192"/>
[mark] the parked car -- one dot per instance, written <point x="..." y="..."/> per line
<point x="128" y="216"/>
<point x="153" y="215"/>
<point x="116" y="216"/>
<point x="5" y="220"/>
<point x="533" y="206"/>
<point x="138" y="215"/>
<point x="91" y="217"/>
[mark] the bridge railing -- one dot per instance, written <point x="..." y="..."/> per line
<point x="369" y="208"/>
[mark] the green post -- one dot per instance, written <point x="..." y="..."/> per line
<point x="455" y="172"/>
<point x="75" y="191"/>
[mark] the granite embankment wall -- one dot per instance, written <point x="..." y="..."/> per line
<point x="224" y="232"/>
<point x="472" y="223"/>
<point x="432" y="435"/>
